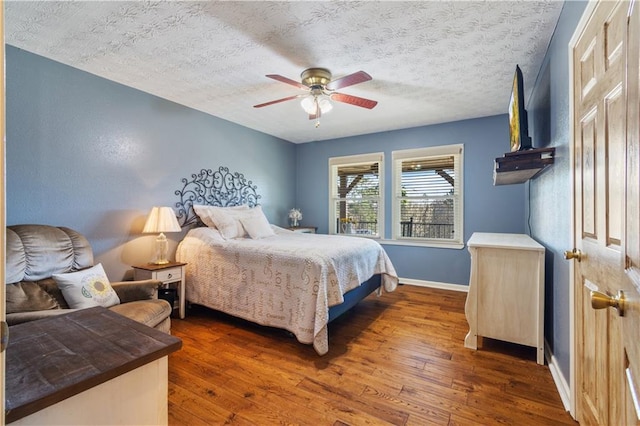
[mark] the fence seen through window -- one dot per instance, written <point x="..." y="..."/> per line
<point x="357" y="203"/>
<point x="428" y="197"/>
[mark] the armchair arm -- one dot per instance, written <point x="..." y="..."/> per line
<point x="129" y="291"/>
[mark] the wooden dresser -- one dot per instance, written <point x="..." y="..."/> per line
<point x="506" y="290"/>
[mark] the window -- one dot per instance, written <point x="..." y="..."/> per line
<point x="427" y="195"/>
<point x="356" y="195"/>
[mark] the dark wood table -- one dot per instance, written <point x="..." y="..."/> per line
<point x="50" y="360"/>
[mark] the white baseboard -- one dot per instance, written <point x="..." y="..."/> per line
<point x="558" y="378"/>
<point x="434" y="284"/>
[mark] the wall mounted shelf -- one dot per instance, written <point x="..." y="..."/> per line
<point x="520" y="166"/>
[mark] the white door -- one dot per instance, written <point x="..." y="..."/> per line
<point x="605" y="340"/>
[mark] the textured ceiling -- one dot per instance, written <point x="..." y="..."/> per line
<point x="431" y="62"/>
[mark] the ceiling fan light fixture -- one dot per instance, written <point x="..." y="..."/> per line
<point x="308" y="104"/>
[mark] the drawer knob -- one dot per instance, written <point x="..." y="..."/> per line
<point x="170" y="275"/>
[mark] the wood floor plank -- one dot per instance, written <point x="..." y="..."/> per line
<point x="419" y="413"/>
<point x="177" y="415"/>
<point x="398" y="359"/>
<point x="378" y="409"/>
<point x="198" y="408"/>
<point x="539" y="413"/>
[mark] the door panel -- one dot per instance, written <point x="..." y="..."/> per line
<point x="594" y="358"/>
<point x="588" y="182"/>
<point x="615" y="28"/>
<point x="615" y="123"/>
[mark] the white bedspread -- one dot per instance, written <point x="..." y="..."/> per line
<point x="288" y="280"/>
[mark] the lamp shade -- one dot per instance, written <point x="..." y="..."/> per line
<point x="161" y="219"/>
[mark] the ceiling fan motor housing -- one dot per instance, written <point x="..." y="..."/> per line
<point x="316" y="77"/>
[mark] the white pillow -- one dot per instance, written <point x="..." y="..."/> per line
<point x="238" y="214"/>
<point x="256" y="223"/>
<point x="204" y="213"/>
<point x="87" y="288"/>
<point x="210" y="216"/>
<point x="228" y="226"/>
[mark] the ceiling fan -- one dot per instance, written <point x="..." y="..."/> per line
<point x="320" y="90"/>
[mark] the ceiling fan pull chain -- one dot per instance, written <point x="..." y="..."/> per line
<point x="318" y="111"/>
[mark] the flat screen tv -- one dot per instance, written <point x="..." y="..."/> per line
<point x="518" y="123"/>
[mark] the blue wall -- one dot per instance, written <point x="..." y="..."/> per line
<point x="550" y="194"/>
<point x="487" y="208"/>
<point x="94" y="155"/>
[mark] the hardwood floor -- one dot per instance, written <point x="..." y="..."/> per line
<point x="398" y="359"/>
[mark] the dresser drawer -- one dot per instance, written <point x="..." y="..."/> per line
<point x="169" y="274"/>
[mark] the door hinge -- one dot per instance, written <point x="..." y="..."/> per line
<point x="4" y="336"/>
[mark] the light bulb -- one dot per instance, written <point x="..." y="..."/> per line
<point x="309" y="105"/>
<point x="325" y="105"/>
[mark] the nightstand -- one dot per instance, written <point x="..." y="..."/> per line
<point x="171" y="274"/>
<point x="304" y="229"/>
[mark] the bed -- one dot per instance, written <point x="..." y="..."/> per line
<point x="279" y="278"/>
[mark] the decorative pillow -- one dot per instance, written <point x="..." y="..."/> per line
<point x="209" y="215"/>
<point x="256" y="223"/>
<point x="87" y="288"/>
<point x="228" y="226"/>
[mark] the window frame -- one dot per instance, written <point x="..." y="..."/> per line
<point x="334" y="163"/>
<point x="397" y="157"/>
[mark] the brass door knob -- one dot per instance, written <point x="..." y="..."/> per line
<point x="601" y="300"/>
<point x="573" y="254"/>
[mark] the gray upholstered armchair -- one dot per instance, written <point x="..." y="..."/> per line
<point x="35" y="253"/>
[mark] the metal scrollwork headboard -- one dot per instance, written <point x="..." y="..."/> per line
<point x="213" y="188"/>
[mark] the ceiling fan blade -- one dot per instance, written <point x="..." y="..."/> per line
<point x="277" y="101"/>
<point x="349" y="80"/>
<point x="287" y="81"/>
<point x="354" y="100"/>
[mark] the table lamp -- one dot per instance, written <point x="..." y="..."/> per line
<point x="161" y="219"/>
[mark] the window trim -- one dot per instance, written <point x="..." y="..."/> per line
<point x="457" y="150"/>
<point x="358" y="159"/>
